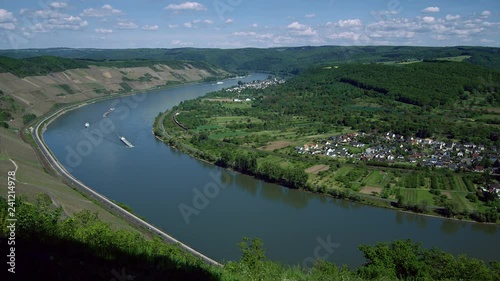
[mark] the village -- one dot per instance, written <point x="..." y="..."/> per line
<point x="420" y="152"/>
<point x="394" y="148"/>
<point x="256" y="84"/>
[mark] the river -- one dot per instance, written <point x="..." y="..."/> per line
<point x="211" y="209"/>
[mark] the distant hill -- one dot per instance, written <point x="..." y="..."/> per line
<point x="288" y="60"/>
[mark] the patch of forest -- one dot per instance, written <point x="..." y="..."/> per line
<point x="433" y="84"/>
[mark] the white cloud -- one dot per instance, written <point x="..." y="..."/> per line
<point x="58" y="5"/>
<point x="6" y="16"/>
<point x="181" y="43"/>
<point x="23" y="11"/>
<point x="254" y="25"/>
<point x="150" y="27"/>
<point x="38" y="27"/>
<point x="301" y="29"/>
<point x="229" y="21"/>
<point x="440" y="37"/>
<point x="105" y="10"/>
<point x="307" y="32"/>
<point x="126" y="25"/>
<point x="253" y="34"/>
<point x="103" y="30"/>
<point x="384" y="14"/>
<point x="431" y="10"/>
<point x="384" y="34"/>
<point x="7" y="25"/>
<point x="283" y="40"/>
<point x="244" y="33"/>
<point x="195" y="6"/>
<point x="45" y="14"/>
<point x="349" y="23"/>
<point x="171" y="26"/>
<point x="309" y="16"/>
<point x="296" y="25"/>
<point x="196" y="23"/>
<point x="452" y="17"/>
<point x="419" y="29"/>
<point x="428" y="19"/>
<point x="346" y="35"/>
<point x="66" y="22"/>
<point x="466" y="32"/>
<point x="47" y="20"/>
<point x="485" y="14"/>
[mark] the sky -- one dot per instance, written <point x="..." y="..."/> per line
<point x="247" y="23"/>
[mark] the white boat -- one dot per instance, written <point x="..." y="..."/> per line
<point x="87" y="124"/>
<point x="126" y="142"/>
<point x="108" y="112"/>
<point x="220" y="83"/>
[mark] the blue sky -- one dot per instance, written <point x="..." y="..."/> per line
<point x="246" y="23"/>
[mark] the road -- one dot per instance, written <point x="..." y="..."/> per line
<point x="105" y="202"/>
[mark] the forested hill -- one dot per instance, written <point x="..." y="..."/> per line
<point x="438" y="83"/>
<point x="283" y="59"/>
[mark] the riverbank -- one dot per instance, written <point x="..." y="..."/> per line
<point x="180" y="140"/>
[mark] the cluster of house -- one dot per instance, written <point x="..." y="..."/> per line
<point x="493" y="188"/>
<point x="392" y="147"/>
<point x="256" y="84"/>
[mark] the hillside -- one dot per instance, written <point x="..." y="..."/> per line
<point x="35" y="85"/>
<point x="285" y="60"/>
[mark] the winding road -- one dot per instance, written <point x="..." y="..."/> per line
<point x="105" y="202"/>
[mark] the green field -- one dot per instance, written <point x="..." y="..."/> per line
<point x="488" y="116"/>
<point x="464" y="203"/>
<point x="207" y="127"/>
<point x="455" y="59"/>
<point x="415" y="196"/>
<point x="378" y="178"/>
<point x="228" y="135"/>
<point x="224" y="120"/>
<point x="233" y="105"/>
<point x="343" y="171"/>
